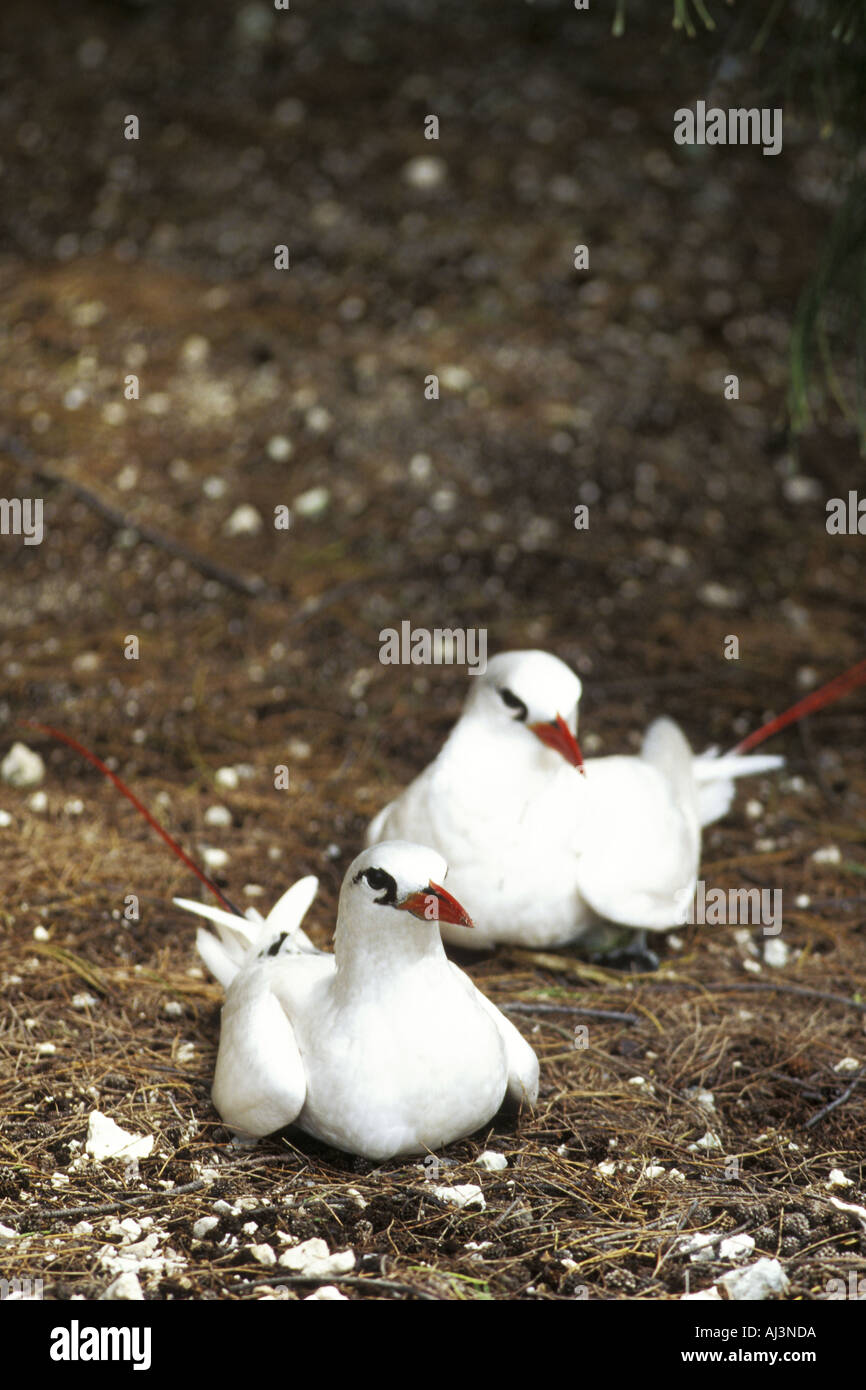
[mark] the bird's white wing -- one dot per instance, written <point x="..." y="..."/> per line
<point x="259" y="1084"/>
<point x="638" y="844"/>
<point x="522" y="1063"/>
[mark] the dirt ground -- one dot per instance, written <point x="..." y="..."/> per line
<point x="305" y="388"/>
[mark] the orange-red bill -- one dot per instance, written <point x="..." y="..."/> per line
<point x="434" y="904"/>
<point x="557" y="735"/>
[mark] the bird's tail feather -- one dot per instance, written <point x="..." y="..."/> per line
<point x="708" y="767"/>
<point x="240" y="939"/>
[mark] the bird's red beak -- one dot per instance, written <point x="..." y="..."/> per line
<point x="433" y="904"/>
<point x="557" y="735"/>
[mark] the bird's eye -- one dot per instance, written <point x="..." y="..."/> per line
<point x="514" y="702"/>
<point x="380" y="881"/>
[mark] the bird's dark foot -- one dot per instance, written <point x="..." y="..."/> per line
<point x="636" y="957"/>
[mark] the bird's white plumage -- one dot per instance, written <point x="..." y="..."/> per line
<point x="540" y="853"/>
<point x="383" y="1048"/>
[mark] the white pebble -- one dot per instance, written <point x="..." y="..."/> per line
<point x="736" y="1247"/>
<point x="125" y="1287"/>
<point x="829" y="854"/>
<point x="227" y="777"/>
<point x="279" y="448"/>
<point x="214" y="858"/>
<point x="38" y="802"/>
<point x="204" y="1225"/>
<point x="755" y="1282"/>
<point x="846" y="1065"/>
<point x="106" y="1140"/>
<point x="463" y="1195"/>
<point x="776" y="953"/>
<point x="492" y="1161"/>
<point x="313" y="502"/>
<point x="328" y="1293"/>
<point x="218" y="815"/>
<point x="425" y="171"/>
<point x="22" y="767"/>
<point x="245" y="520"/>
<point x="262" y="1254"/>
<point x="837" y="1179"/>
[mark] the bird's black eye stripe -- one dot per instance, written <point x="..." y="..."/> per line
<point x="379" y="879"/>
<point x="274" y="948"/>
<point x="514" y="702"/>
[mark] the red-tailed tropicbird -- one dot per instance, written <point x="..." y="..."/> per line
<point x="384" y="1047"/>
<point x="542" y="853"/>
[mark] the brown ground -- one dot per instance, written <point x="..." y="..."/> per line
<point x="603" y="388"/>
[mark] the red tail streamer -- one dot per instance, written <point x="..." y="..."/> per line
<point x="130" y="796"/>
<point x="825" y="695"/>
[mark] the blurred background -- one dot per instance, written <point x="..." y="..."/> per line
<point x="304" y="388"/>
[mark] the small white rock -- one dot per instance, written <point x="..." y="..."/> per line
<point x="313" y="502"/>
<point x="22" y="767"/>
<point x="7" y="1235"/>
<point x="710" y="1295"/>
<point x="279" y="448"/>
<point x="776" y="953"/>
<point x="262" y="1254"/>
<point x="708" y="1143"/>
<point x="846" y="1065"/>
<point x="828" y="854"/>
<point x="38" y="803"/>
<point x="736" y="1247"/>
<point x="755" y="1282"/>
<point x="40" y="934"/>
<point x="425" y="171"/>
<point x="492" y="1161"/>
<point x="245" y="520"/>
<point x="204" y="1225"/>
<point x="837" y="1179"/>
<point x="463" y="1195"/>
<point x="218" y="815"/>
<point x="106" y="1140"/>
<point x="328" y="1293"/>
<point x="5" y="820"/>
<point x="125" y="1287"/>
<point x="227" y="777"/>
<point x="84" y="1001"/>
<point x="313" y="1257"/>
<point x="214" y="858"/>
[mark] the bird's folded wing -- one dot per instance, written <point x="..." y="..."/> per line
<point x="637" y="848"/>
<point x="522" y="1063"/>
<point x="259" y="1085"/>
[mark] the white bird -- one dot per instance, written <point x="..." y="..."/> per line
<point x="384" y="1047"/>
<point x="543" y="853"/>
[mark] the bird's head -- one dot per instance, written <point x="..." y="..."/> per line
<point x="534" y="691"/>
<point x="397" y="876"/>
